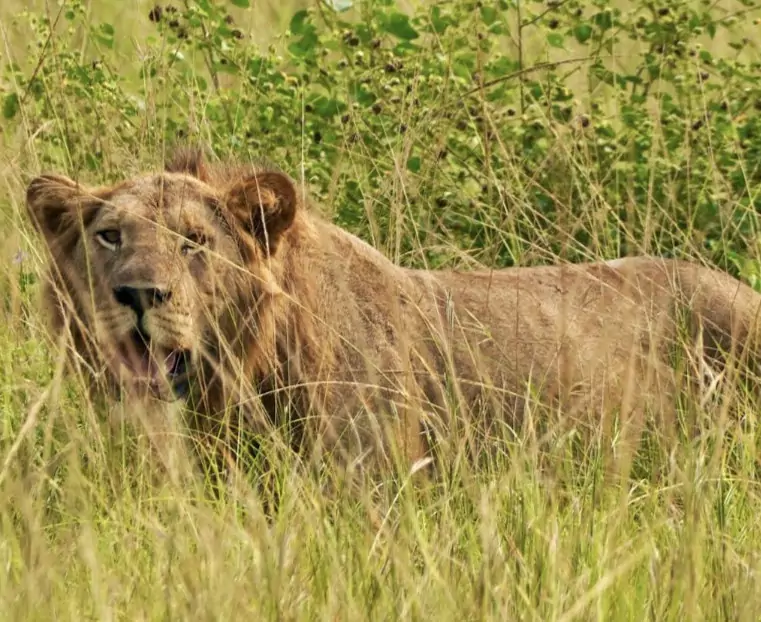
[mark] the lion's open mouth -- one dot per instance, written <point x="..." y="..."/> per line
<point x="156" y="367"/>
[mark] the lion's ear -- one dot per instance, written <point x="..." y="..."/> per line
<point x="54" y="206"/>
<point x="264" y="204"/>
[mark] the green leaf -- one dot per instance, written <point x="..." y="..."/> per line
<point x="502" y="66"/>
<point x="555" y="39"/>
<point x="105" y="35"/>
<point x="462" y="70"/>
<point x="327" y="107"/>
<point x="304" y="46"/>
<point x="298" y="21"/>
<point x="488" y="15"/>
<point x="244" y="4"/>
<point x="438" y="21"/>
<point x="399" y="25"/>
<point x="413" y="164"/>
<point x="301" y="25"/>
<point x="603" y="20"/>
<point x="582" y="32"/>
<point x="10" y="106"/>
<point x="361" y="95"/>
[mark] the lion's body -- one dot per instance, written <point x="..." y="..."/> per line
<point x="355" y="351"/>
<point x="588" y="338"/>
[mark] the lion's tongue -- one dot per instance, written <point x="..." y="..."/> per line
<point x="144" y="366"/>
<point x="151" y="366"/>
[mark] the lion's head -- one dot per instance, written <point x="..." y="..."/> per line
<point x="148" y="267"/>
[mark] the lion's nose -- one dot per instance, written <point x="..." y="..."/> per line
<point x="140" y="299"/>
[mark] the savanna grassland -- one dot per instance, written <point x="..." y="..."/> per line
<point x="453" y="133"/>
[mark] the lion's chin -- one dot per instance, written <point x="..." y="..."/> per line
<point x="151" y="368"/>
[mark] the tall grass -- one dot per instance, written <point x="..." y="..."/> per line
<point x="94" y="526"/>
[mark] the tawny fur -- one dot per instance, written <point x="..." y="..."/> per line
<point x="291" y="312"/>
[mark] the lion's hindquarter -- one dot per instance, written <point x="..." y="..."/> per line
<point x="574" y="336"/>
<point x="590" y="338"/>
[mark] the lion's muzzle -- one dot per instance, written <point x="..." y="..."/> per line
<point x="159" y="367"/>
<point x="162" y="371"/>
<point x="141" y="299"/>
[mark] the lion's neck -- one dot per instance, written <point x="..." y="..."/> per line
<point x="296" y="335"/>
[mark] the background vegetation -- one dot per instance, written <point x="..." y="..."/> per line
<point x="446" y="133"/>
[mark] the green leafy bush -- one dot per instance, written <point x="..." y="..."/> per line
<point x="566" y="128"/>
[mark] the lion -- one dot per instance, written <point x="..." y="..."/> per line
<point x="219" y="285"/>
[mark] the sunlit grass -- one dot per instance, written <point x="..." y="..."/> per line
<point x="94" y="526"/>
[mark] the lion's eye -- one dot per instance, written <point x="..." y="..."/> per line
<point x="110" y="238"/>
<point x="193" y="243"/>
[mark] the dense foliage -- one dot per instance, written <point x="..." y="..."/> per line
<point x="512" y="130"/>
